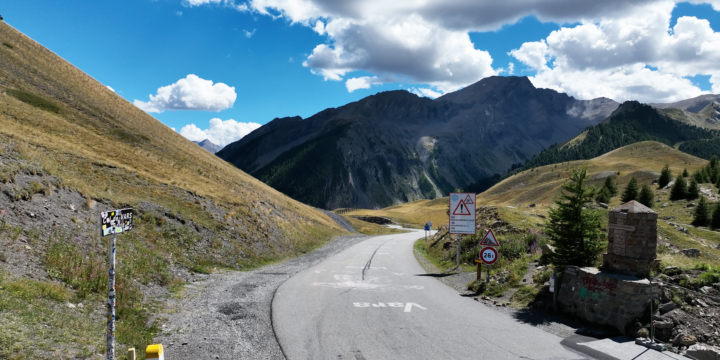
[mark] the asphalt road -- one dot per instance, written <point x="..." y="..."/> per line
<point x="374" y="301"/>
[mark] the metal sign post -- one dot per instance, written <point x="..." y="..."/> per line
<point x="462" y="217"/>
<point x="111" y="223"/>
<point x="111" y="303"/>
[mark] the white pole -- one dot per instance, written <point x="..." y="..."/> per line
<point x="111" y="303"/>
<point x="458" y="252"/>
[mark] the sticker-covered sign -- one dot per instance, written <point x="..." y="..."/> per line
<point x="462" y="213"/>
<point x="116" y="221"/>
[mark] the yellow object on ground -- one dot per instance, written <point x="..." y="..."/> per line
<point x="154" y="351"/>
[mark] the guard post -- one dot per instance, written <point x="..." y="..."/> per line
<point x="111" y="223"/>
<point x="154" y="352"/>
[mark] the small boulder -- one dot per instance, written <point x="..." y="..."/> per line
<point x="664" y="204"/>
<point x="691" y="252"/>
<point x="685" y="340"/>
<point x="691" y="205"/>
<point x="665" y="308"/>
<point x="70" y="305"/>
<point x="604" y="206"/>
<point x="703" y="352"/>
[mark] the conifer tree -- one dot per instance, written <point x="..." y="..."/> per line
<point x="646" y="197"/>
<point x="713" y="162"/>
<point x="631" y="191"/>
<point x="693" y="191"/>
<point x="685" y="173"/>
<point x="665" y="177"/>
<point x="679" y="189"/>
<point x="715" y="221"/>
<point x="702" y="213"/>
<point x="603" y="195"/>
<point x="574" y="229"/>
<point x="610" y="185"/>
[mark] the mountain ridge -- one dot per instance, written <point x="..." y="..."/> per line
<point x="397" y="147"/>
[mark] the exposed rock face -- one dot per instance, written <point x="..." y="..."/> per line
<point x="209" y="146"/>
<point x="394" y="147"/>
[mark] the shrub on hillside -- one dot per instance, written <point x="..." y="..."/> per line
<point x="693" y="191"/>
<point x="631" y="191"/>
<point x="702" y="213"/>
<point x="715" y="222"/>
<point x="679" y="189"/>
<point x="665" y="176"/>
<point x="646" y="197"/>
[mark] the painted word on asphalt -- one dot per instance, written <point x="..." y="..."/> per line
<point x="408" y="306"/>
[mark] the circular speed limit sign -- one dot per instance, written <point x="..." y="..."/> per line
<point x="488" y="255"/>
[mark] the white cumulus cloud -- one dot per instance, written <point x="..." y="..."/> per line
<point x="110" y="88"/>
<point x="190" y="93"/>
<point x="429" y="93"/>
<point x="427" y="43"/>
<point x="633" y="57"/>
<point x="220" y="132"/>
<point x="249" y="34"/>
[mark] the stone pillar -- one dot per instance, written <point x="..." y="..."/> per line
<point x="632" y="239"/>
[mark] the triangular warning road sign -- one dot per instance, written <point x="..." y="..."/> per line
<point x="489" y="239"/>
<point x="469" y="200"/>
<point x="461" y="209"/>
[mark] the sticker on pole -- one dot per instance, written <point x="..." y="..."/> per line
<point x="116" y="221"/>
<point x="488" y="255"/>
<point x="489" y="239"/>
<point x="462" y="213"/>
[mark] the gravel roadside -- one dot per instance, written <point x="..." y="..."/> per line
<point x="548" y="322"/>
<point x="228" y="315"/>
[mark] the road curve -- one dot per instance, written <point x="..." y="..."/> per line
<point x="371" y="301"/>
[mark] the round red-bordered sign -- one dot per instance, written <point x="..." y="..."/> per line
<point x="488" y="255"/>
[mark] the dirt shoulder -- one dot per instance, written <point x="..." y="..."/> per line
<point x="228" y="315"/>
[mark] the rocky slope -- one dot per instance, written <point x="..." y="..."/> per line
<point x="209" y="146"/>
<point x="395" y="147"/>
<point x="70" y="149"/>
<point x="702" y="111"/>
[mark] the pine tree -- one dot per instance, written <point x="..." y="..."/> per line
<point x="693" y="191"/>
<point x="665" y="176"/>
<point x="574" y="229"/>
<point x="702" y="213"/>
<point x="713" y="162"/>
<point x="610" y="185"/>
<point x="715" y="222"/>
<point x="679" y="189"/>
<point x="646" y="197"/>
<point x="631" y="191"/>
<point x="685" y="173"/>
<point x="603" y="195"/>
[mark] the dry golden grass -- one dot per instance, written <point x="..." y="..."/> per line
<point x="368" y="228"/>
<point x="105" y="147"/>
<point x="540" y="186"/>
<point x="413" y="214"/>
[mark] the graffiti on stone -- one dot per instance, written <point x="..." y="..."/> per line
<point x="595" y="285"/>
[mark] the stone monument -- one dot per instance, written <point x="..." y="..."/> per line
<point x="632" y="240"/>
<point x="616" y="295"/>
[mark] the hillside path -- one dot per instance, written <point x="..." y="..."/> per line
<point x="227" y="315"/>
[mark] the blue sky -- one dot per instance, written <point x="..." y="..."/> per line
<point x="138" y="46"/>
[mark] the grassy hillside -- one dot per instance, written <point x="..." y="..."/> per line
<point x="541" y="185"/>
<point x="631" y="123"/>
<point x="69" y="149"/>
<point x="413" y="214"/>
